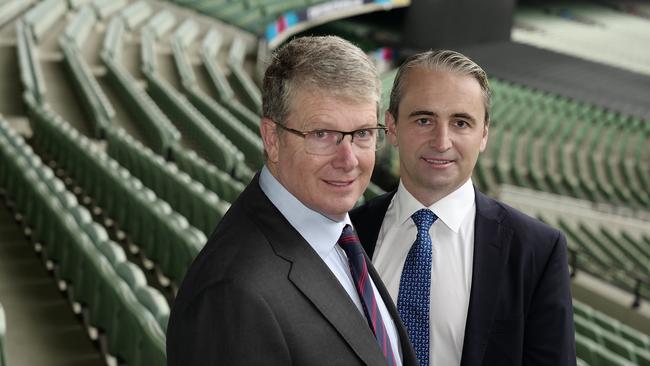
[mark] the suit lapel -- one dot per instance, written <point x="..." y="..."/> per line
<point x="491" y="244"/>
<point x="313" y="278"/>
<point x="316" y="282"/>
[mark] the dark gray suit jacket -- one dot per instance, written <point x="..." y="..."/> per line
<point x="258" y="294"/>
<point x="520" y="309"/>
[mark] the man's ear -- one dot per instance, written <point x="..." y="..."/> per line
<point x="484" y="138"/>
<point x="270" y="138"/>
<point x="391" y="123"/>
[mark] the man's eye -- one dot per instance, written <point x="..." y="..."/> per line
<point x="423" y="122"/>
<point x="321" y="134"/>
<point x="363" y="134"/>
<point x="462" y="124"/>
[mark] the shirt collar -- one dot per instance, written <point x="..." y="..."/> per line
<point x="451" y="209"/>
<point x="321" y="232"/>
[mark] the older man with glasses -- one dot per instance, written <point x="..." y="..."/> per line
<point x="283" y="279"/>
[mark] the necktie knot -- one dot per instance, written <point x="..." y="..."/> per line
<point x="423" y="220"/>
<point x="349" y="242"/>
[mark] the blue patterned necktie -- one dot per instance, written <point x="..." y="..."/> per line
<point x="413" y="297"/>
<point x="349" y="241"/>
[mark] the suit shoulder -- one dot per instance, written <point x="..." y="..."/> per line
<point x="374" y="205"/>
<point x="236" y="249"/>
<point x="527" y="228"/>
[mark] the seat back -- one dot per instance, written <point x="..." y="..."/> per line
<point x="3" y="327"/>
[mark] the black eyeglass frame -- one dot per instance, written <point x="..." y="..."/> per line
<point x="304" y="134"/>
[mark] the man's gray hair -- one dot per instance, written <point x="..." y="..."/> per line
<point x="328" y="63"/>
<point x="446" y="60"/>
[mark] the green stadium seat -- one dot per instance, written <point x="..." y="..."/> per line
<point x="619" y="345"/>
<point x="588" y="329"/>
<point x="113" y="252"/>
<point x="3" y="332"/>
<point x="218" y="145"/>
<point x="152" y="350"/>
<point x="96" y="233"/>
<point x="124" y="334"/>
<point x="214" y="179"/>
<point x="82" y="216"/>
<point x="131" y="274"/>
<point x="641" y="340"/>
<point x="242" y="137"/>
<point x="642" y="356"/>
<point x="184" y="257"/>
<point x="594" y="354"/>
<point x="586" y="349"/>
<point x="156" y="303"/>
<point x="161" y="131"/>
<point x="93" y="99"/>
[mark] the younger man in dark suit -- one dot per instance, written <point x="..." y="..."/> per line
<point x="476" y="282"/>
<point x="283" y="279"/>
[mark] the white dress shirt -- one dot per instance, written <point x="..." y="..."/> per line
<point x="452" y="235"/>
<point x="322" y="233"/>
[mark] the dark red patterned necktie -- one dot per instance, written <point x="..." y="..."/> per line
<point x="352" y="247"/>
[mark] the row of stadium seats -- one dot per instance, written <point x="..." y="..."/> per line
<point x="202" y="208"/>
<point x="602" y="340"/>
<point x="241" y="78"/>
<point x="163" y="235"/>
<point x="581" y="30"/>
<point x="196" y="130"/>
<point x="93" y="99"/>
<point x="146" y="111"/>
<point x="132" y="318"/>
<point x="209" y="50"/>
<point x="194" y="126"/>
<point x="31" y="75"/>
<point x="604" y="249"/>
<point x="552" y="144"/>
<point x="11" y="8"/>
<point x="242" y="136"/>
<point x="224" y="185"/>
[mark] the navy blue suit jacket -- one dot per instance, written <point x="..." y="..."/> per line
<point x="520" y="310"/>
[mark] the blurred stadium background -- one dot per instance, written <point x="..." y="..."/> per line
<point x="127" y="127"/>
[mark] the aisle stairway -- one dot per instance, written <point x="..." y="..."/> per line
<point x="41" y="327"/>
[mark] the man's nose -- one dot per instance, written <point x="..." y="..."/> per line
<point x="345" y="156"/>
<point x="441" y="139"/>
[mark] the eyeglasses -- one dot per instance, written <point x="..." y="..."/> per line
<point x="325" y="142"/>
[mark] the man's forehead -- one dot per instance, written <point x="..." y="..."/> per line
<point x="348" y="95"/>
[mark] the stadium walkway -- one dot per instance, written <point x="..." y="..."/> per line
<point x="41" y="327"/>
<point x="591" y="82"/>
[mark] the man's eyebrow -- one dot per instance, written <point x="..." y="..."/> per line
<point x="433" y="114"/>
<point x="464" y="115"/>
<point x="421" y="113"/>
